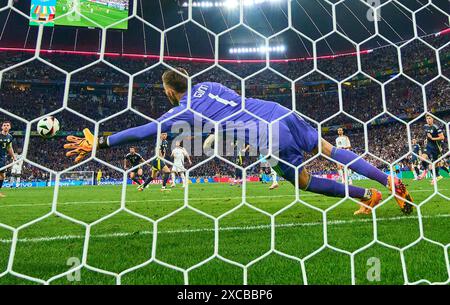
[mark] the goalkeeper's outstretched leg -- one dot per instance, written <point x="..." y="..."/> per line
<point x="362" y="167"/>
<point x="368" y="197"/>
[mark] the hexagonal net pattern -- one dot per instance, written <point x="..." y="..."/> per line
<point x="297" y="76"/>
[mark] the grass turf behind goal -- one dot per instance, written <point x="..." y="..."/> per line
<point x="54" y="245"/>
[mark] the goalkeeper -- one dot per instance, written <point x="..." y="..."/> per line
<point x="217" y="102"/>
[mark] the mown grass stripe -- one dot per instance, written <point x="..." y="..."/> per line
<point x="243" y="228"/>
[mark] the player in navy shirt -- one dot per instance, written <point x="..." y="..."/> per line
<point x="133" y="159"/>
<point x="435" y="140"/>
<point x="291" y="137"/>
<point x="6" y="149"/>
<point x="239" y="152"/>
<point x="415" y="161"/>
<point x="158" y="165"/>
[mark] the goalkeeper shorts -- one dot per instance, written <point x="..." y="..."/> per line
<point x="298" y="137"/>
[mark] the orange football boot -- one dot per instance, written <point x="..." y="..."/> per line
<point x="401" y="191"/>
<point x="374" y="200"/>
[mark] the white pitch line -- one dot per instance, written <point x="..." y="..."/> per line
<point x="168" y="200"/>
<point x="244" y="228"/>
<point x="148" y="200"/>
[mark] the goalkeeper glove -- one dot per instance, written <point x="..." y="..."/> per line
<point x="80" y="147"/>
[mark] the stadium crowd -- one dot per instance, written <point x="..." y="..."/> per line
<point x="101" y="91"/>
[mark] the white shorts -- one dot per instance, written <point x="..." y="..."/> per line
<point x="177" y="168"/>
<point x="16" y="170"/>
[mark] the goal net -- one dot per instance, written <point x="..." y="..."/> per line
<point x="77" y="178"/>
<point x="377" y="69"/>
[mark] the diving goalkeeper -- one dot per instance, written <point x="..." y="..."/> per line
<point x="217" y="102"/>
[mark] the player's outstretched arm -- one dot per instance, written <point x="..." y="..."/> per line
<point x="80" y="147"/>
<point x="136" y="134"/>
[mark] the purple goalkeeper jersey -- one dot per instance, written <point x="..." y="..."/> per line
<point x="292" y="137"/>
<point x="212" y="100"/>
<point x="219" y="103"/>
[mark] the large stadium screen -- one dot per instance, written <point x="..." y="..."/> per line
<point x="42" y="11"/>
<point x="80" y="13"/>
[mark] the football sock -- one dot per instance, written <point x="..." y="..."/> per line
<point x="334" y="189"/>
<point x="341" y="174"/>
<point x="360" y="166"/>
<point x="183" y="178"/>
<point x="445" y="169"/>
<point x="173" y="178"/>
<point x="147" y="182"/>
<point x="274" y="176"/>
<point x="165" y="178"/>
<point x="1" y="183"/>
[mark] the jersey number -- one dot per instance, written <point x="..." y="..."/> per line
<point x="223" y="101"/>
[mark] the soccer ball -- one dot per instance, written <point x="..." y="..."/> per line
<point x="48" y="127"/>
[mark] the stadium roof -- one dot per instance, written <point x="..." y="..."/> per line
<point x="313" y="18"/>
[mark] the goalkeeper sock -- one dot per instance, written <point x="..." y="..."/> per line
<point x="445" y="169"/>
<point x="361" y="166"/>
<point x="334" y="189"/>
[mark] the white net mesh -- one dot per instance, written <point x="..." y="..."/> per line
<point x="298" y="74"/>
<point x="78" y="178"/>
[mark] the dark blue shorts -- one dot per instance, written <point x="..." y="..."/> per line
<point x="296" y="137"/>
<point x="414" y="159"/>
<point x="433" y="153"/>
<point x="3" y="162"/>
<point x="238" y="173"/>
<point x="158" y="164"/>
<point x="136" y="171"/>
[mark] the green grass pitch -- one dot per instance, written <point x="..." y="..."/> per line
<point x="100" y="14"/>
<point x="187" y="238"/>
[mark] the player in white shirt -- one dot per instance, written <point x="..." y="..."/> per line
<point x="178" y="155"/>
<point x="16" y="171"/>
<point x="269" y="171"/>
<point x="343" y="142"/>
